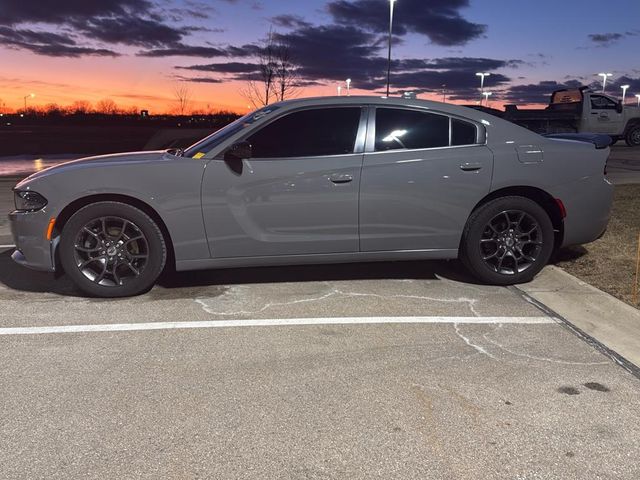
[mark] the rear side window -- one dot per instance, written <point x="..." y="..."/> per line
<point x="463" y="133"/>
<point x="308" y="133"/>
<point x="407" y="129"/>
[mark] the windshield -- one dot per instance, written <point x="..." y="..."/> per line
<point x="204" y="146"/>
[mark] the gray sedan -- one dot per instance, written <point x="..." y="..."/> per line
<point x="328" y="180"/>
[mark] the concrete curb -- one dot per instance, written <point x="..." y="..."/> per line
<point x="599" y="318"/>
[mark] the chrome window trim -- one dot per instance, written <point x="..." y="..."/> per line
<point x="451" y="147"/>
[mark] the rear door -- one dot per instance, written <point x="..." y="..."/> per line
<point x="298" y="194"/>
<point x="423" y="173"/>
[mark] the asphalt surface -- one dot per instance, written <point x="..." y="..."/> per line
<point x="483" y="384"/>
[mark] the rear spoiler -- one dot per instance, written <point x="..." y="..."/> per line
<point x="600" y="141"/>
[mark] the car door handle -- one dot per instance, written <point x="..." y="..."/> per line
<point x="470" y="167"/>
<point x="341" y="178"/>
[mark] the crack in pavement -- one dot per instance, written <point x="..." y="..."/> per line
<point x="466" y="340"/>
<point x="334" y="291"/>
<point x="535" y="357"/>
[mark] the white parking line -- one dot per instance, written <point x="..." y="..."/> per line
<point x="285" y="322"/>
<point x="7" y="246"/>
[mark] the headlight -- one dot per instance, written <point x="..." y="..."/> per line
<point x="28" y="201"/>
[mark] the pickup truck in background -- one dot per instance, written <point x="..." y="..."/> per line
<point x="581" y="110"/>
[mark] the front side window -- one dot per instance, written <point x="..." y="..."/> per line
<point x="599" y="102"/>
<point x="398" y="129"/>
<point x="204" y="146"/>
<point x="308" y="133"/>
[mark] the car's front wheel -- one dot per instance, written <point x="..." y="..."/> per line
<point x="112" y="249"/>
<point x="507" y="241"/>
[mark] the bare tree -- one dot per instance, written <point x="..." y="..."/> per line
<point x="107" y="107"/>
<point x="276" y="73"/>
<point x="53" y="109"/>
<point x="80" y="107"/>
<point x="182" y="93"/>
<point x="286" y="84"/>
<point x="3" y="106"/>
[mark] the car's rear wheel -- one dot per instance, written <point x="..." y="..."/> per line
<point x="507" y="241"/>
<point x="112" y="249"/>
<point x="633" y="136"/>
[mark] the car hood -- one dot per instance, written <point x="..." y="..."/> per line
<point x="101" y="160"/>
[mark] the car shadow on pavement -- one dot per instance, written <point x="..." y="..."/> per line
<point x="418" y="270"/>
<point x="171" y="284"/>
<point x="17" y="277"/>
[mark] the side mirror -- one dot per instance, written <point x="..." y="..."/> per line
<point x="619" y="107"/>
<point x="238" y="151"/>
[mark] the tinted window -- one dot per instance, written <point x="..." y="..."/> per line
<point x="463" y="133"/>
<point x="598" y="102"/>
<point x="204" y="146"/>
<point x="407" y="129"/>
<point x="310" y="133"/>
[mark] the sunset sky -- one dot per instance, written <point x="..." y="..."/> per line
<point x="136" y="51"/>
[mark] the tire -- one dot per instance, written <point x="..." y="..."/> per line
<point x="112" y="249"/>
<point x="485" y="241"/>
<point x="633" y="136"/>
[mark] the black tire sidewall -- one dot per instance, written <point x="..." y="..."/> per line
<point x="629" y="136"/>
<point x="471" y="254"/>
<point x="157" y="249"/>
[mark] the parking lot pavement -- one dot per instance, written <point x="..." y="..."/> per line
<point x="624" y="165"/>
<point x="483" y="385"/>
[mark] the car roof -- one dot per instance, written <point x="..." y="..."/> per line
<point x="501" y="130"/>
<point x="448" y="108"/>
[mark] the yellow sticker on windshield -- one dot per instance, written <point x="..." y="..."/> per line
<point x="199" y="155"/>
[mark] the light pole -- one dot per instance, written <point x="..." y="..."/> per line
<point x="486" y="96"/>
<point x="444" y="93"/>
<point x="348" y="87"/>
<point x="339" y="90"/>
<point x="624" y="92"/>
<point x="604" y="80"/>
<point x="391" y="5"/>
<point x="31" y="95"/>
<point x="482" y="75"/>
<point x="638" y="97"/>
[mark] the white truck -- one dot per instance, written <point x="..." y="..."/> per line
<point x="581" y="111"/>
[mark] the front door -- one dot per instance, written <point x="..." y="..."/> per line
<point x="423" y="174"/>
<point x="604" y="117"/>
<point x="297" y="194"/>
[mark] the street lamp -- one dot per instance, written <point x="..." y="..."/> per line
<point x="31" y="95"/>
<point x="486" y="97"/>
<point x="604" y="80"/>
<point x="391" y="5"/>
<point x="624" y="92"/>
<point x="482" y="75"/>
<point x="444" y="93"/>
<point x="638" y="97"/>
<point x="339" y="90"/>
<point x="348" y="87"/>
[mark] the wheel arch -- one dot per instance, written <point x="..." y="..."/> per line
<point x="67" y="212"/>
<point x="541" y="197"/>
